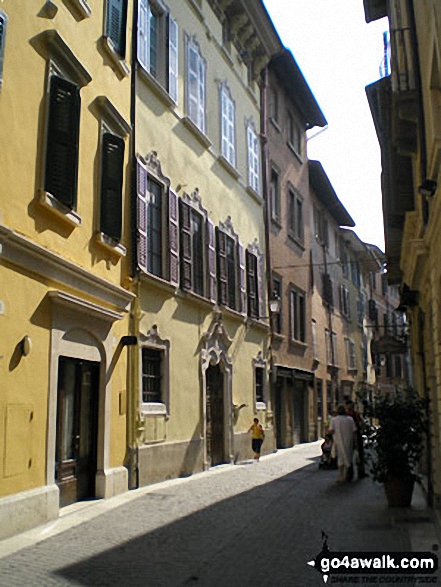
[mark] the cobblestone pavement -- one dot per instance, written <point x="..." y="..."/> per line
<point x="233" y="526"/>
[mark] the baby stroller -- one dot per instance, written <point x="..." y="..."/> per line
<point x="327" y="461"/>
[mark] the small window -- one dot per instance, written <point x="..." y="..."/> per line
<point x="116" y="17"/>
<point x="228" y="124"/>
<point x="345" y="306"/>
<point x="152" y="375"/>
<point x="158" y="44"/>
<point x="273" y="105"/>
<point x="321" y="227"/>
<point x="331" y="347"/>
<point x="295" y="226"/>
<point x="253" y="158"/>
<point x="61" y="169"/>
<point x="275" y="195"/>
<point x="3" y="24"/>
<point x="298" y="316"/>
<point x="350" y="354"/>
<point x="196" y="73"/>
<point x="314" y="339"/>
<point x="259" y="375"/>
<point x="112" y="165"/>
<point x="294" y="134"/>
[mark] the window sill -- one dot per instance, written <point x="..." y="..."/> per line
<point x="233" y="313"/>
<point x="299" y="242"/>
<point x="118" y="64"/>
<point x="228" y="167"/>
<point x="153" y="409"/>
<point x="110" y="244"/>
<point x="298" y="343"/>
<point x="158" y="282"/>
<point x="294" y="152"/>
<point x="194" y="297"/>
<point x="275" y="124"/>
<point x="50" y="203"/>
<point x="255" y="195"/>
<point x="156" y="87"/>
<point x="276" y="222"/>
<point x="257" y="322"/>
<point x="79" y="8"/>
<point x="278" y="336"/>
<point x="201" y="136"/>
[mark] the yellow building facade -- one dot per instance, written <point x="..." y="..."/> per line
<point x="405" y="106"/>
<point x="64" y="216"/>
<point x="200" y="372"/>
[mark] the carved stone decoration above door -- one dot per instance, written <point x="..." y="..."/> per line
<point x="218" y="420"/>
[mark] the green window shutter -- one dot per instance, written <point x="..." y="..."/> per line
<point x="62" y="141"/>
<point x="116" y="25"/>
<point x="112" y="166"/>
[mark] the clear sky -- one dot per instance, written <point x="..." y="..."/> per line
<point x="339" y="54"/>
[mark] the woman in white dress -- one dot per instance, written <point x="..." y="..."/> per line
<point x="343" y="430"/>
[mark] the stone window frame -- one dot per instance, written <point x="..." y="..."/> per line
<point x="260" y="363"/>
<point x="154" y="341"/>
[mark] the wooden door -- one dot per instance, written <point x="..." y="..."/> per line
<point x="77" y="424"/>
<point x="215" y="415"/>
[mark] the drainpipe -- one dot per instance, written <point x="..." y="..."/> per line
<point x="266" y="222"/>
<point x="133" y="351"/>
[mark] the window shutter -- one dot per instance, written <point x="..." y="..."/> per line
<point x="143" y="34"/>
<point x="211" y="289"/>
<point x="252" y="284"/>
<point x="222" y="279"/>
<point x="201" y="68"/>
<point x="261" y="286"/>
<point x="112" y="166"/>
<point x="242" y="279"/>
<point x="173" y="59"/>
<point x="186" y="250"/>
<point x="173" y="237"/>
<point x="141" y="175"/>
<point x="62" y="141"/>
<point x="116" y="25"/>
<point x="193" y="83"/>
<point x="3" y="23"/>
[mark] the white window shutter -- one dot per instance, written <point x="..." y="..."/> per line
<point x="173" y="59"/>
<point x="201" y="117"/>
<point x="143" y="33"/>
<point x="142" y="204"/>
<point x="192" y="83"/>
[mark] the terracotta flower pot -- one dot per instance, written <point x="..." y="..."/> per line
<point x="399" y="491"/>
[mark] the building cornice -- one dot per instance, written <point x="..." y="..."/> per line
<point x="24" y="253"/>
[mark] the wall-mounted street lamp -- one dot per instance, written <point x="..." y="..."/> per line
<point x="274" y="306"/>
<point x="428" y="188"/>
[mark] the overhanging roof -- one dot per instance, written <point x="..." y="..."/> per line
<point x="289" y="73"/>
<point x="374" y="9"/>
<point x="369" y="259"/>
<point x="324" y="191"/>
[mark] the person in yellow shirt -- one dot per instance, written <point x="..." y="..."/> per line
<point x="257" y="438"/>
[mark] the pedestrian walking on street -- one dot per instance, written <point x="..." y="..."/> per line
<point x="343" y="433"/>
<point x="257" y="438"/>
<point x="350" y="409"/>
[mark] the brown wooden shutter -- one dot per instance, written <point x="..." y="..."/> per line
<point x="222" y="278"/>
<point x="141" y="176"/>
<point x="251" y="264"/>
<point x="261" y="287"/>
<point x="211" y="286"/>
<point x="242" y="279"/>
<point x="62" y="141"/>
<point x="173" y="237"/>
<point x="112" y="166"/>
<point x="186" y="249"/>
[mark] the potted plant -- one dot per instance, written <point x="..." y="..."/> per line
<point x="397" y="444"/>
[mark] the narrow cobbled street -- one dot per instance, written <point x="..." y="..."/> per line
<point x="233" y="526"/>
